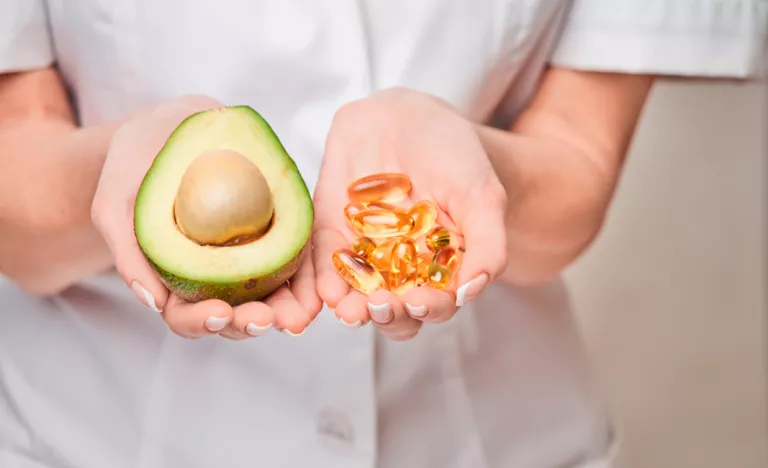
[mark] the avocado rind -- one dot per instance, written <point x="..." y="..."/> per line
<point x="236" y="293"/>
<point x="234" y="290"/>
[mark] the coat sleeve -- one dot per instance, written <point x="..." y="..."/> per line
<point x="707" y="38"/>
<point x="25" y="41"/>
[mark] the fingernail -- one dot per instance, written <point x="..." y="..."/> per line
<point x="470" y="290"/>
<point x="256" y="330"/>
<point x="288" y="332"/>
<point x="416" y="311"/>
<point x="145" y="297"/>
<point x="215" y="324"/>
<point x="380" y="313"/>
<point x="351" y="325"/>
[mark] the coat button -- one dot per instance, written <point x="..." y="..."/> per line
<point x="335" y="427"/>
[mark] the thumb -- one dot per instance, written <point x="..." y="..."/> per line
<point x="481" y="220"/>
<point x="329" y="235"/>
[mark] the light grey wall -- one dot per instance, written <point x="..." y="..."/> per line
<point x="672" y="296"/>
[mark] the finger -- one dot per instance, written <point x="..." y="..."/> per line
<point x="389" y="316"/>
<point x="115" y="222"/>
<point x="482" y="223"/>
<point x="197" y="320"/>
<point x="253" y="319"/>
<point x="289" y="316"/>
<point x="330" y="285"/>
<point x="352" y="310"/>
<point x="429" y="305"/>
<point x="303" y="285"/>
<point x="330" y="230"/>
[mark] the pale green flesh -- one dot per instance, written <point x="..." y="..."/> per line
<point x="240" y="129"/>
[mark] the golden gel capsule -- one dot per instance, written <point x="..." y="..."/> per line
<point x="380" y="224"/>
<point x="352" y="209"/>
<point x="357" y="272"/>
<point x="364" y="247"/>
<point x="445" y="264"/>
<point x="381" y="205"/>
<point x="381" y="257"/>
<point x="403" y="265"/>
<point x="389" y="187"/>
<point x="422" y="268"/>
<point x="439" y="237"/>
<point x="424" y="214"/>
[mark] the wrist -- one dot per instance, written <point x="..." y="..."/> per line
<point x="557" y="201"/>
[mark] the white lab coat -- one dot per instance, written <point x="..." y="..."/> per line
<point x="92" y="379"/>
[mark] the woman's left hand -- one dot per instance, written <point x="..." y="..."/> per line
<point x="403" y="131"/>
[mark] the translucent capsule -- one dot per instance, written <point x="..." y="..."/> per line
<point x="357" y="272"/>
<point x="422" y="268"/>
<point x="439" y="237"/>
<point x="390" y="187"/>
<point x="381" y="257"/>
<point x="380" y="224"/>
<point x="424" y="214"/>
<point x="403" y="265"/>
<point x="364" y="247"/>
<point x="352" y="209"/>
<point x="445" y="264"/>
<point x="382" y="205"/>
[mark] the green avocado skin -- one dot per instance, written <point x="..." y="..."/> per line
<point x="239" y="292"/>
<point x="234" y="294"/>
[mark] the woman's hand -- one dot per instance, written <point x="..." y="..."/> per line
<point x="131" y="153"/>
<point x="404" y="131"/>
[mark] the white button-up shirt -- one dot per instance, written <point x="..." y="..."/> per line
<point x="90" y="379"/>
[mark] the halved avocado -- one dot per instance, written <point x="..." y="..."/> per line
<point x="236" y="272"/>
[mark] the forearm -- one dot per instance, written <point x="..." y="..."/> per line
<point x="50" y="171"/>
<point x="560" y="164"/>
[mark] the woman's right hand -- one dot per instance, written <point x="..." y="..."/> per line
<point x="131" y="153"/>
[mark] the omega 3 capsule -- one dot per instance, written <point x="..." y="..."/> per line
<point x="424" y="214"/>
<point x="403" y="266"/>
<point x="386" y="187"/>
<point x="381" y="256"/>
<point x="445" y="264"/>
<point x="439" y="237"/>
<point x="352" y="209"/>
<point x="380" y="224"/>
<point x="422" y="267"/>
<point x="357" y="272"/>
<point x="364" y="247"/>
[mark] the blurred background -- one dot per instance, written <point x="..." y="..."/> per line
<point x="672" y="297"/>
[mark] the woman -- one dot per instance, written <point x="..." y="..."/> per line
<point x="498" y="110"/>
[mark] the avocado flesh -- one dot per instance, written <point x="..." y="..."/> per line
<point x="237" y="273"/>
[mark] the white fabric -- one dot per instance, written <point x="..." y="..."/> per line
<point x="24" y="38"/>
<point x="710" y="38"/>
<point x="91" y="379"/>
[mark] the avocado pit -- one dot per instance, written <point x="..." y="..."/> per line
<point x="223" y="199"/>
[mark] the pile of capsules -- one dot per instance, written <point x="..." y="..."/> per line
<point x="398" y="247"/>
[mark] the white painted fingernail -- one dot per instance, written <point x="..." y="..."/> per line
<point x="145" y="297"/>
<point x="288" y="332"/>
<point x="215" y="324"/>
<point x="357" y="324"/>
<point x="471" y="289"/>
<point x="416" y="311"/>
<point x="256" y="330"/>
<point x="380" y="313"/>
